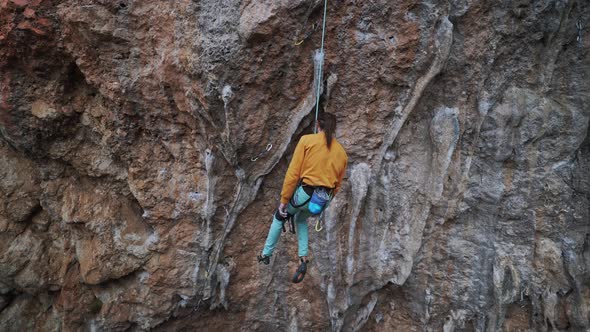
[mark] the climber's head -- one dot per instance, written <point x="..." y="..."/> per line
<point x="327" y="124"/>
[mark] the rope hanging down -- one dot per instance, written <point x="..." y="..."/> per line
<point x="321" y="61"/>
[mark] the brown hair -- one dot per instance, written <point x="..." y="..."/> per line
<point x="327" y="122"/>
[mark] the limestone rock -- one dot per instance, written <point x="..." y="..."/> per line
<point x="143" y="146"/>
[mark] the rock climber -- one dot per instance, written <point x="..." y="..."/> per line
<point x="313" y="178"/>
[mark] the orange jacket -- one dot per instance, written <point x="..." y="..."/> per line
<point x="315" y="164"/>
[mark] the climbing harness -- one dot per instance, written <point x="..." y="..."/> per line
<point x="263" y="153"/>
<point x="321" y="62"/>
<point x="318" y="198"/>
<point x="300" y="273"/>
<point x="307" y="189"/>
<point x="316" y="206"/>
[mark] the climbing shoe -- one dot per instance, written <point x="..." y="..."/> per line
<point x="264" y="259"/>
<point x="301" y="271"/>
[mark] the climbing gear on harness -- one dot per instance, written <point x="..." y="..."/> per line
<point x="263" y="153"/>
<point x="318" y="197"/>
<point x="301" y="271"/>
<point x="318" y="200"/>
<point x="321" y="56"/>
<point x="289" y="218"/>
<point x="319" y="222"/>
<point x="263" y="259"/>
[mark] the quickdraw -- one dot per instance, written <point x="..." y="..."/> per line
<point x="263" y="153"/>
<point x="319" y="222"/>
<point x="307" y="35"/>
<point x="579" y="27"/>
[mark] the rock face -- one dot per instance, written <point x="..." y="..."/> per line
<point x="131" y="200"/>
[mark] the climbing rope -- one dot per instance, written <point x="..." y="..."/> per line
<point x="321" y="61"/>
<point x="318" y="226"/>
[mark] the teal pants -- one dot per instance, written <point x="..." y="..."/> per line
<point x="301" y="214"/>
